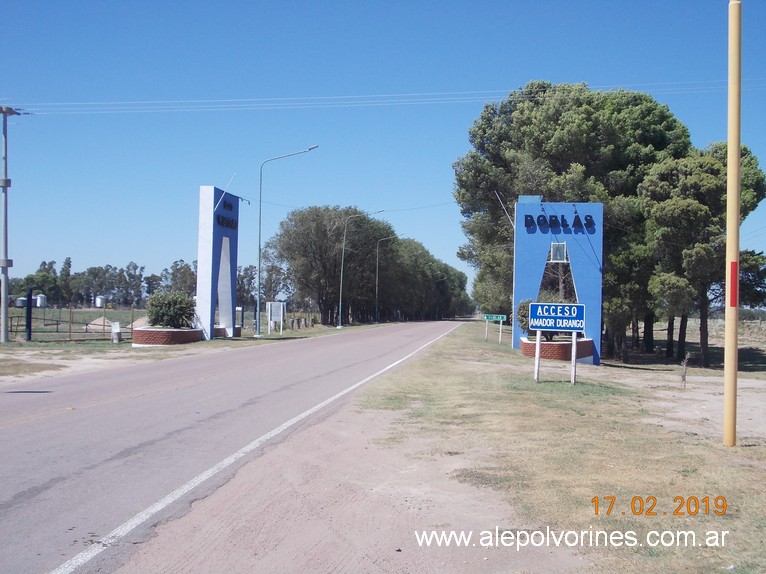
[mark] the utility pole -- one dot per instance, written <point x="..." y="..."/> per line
<point x="5" y="263"/>
<point x="733" y="181"/>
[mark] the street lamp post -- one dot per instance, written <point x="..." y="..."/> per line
<point x="260" y="212"/>
<point x="377" y="263"/>
<point x="5" y="263"/>
<point x="342" y="260"/>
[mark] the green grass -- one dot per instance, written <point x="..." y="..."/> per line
<point x="551" y="447"/>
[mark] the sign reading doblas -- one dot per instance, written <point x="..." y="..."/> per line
<point x="562" y="234"/>
<point x="562" y="317"/>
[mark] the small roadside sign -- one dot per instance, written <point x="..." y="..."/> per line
<point x="493" y="318"/>
<point x="561" y="317"/>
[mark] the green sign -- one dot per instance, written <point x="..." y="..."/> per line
<point x="495" y="317"/>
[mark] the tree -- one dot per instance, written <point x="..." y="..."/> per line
<point x="175" y="310"/>
<point x="65" y="282"/>
<point x="308" y="244"/>
<point x="686" y="221"/>
<point x="752" y="267"/>
<point x="564" y="143"/>
<point x="411" y="282"/>
<point x="152" y="284"/>
<point x="44" y="281"/>
<point x="129" y="285"/>
<point x="181" y="277"/>
<point x="673" y="296"/>
<point x="247" y="284"/>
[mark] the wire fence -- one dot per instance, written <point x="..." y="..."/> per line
<point x="94" y="324"/>
<point x="73" y="324"/>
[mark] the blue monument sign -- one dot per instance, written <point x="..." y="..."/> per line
<point x="217" y="259"/>
<point x="560" y="317"/>
<point x="560" y="232"/>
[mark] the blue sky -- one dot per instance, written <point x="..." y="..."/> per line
<point x="137" y="104"/>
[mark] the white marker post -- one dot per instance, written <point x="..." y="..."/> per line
<point x="493" y="318"/>
<point x="574" y="357"/>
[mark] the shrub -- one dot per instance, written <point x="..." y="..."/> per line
<point x="175" y="310"/>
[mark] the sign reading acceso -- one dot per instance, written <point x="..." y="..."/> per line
<point x="562" y="317"/>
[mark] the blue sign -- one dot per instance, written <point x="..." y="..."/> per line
<point x="562" y="317"/>
<point x="540" y="230"/>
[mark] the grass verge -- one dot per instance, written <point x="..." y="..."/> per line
<point x="550" y="448"/>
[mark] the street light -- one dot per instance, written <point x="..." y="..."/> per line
<point x="377" y="262"/>
<point x="342" y="259"/>
<point x="260" y="212"/>
<point x="5" y="263"/>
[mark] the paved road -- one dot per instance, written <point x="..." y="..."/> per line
<point x="84" y="456"/>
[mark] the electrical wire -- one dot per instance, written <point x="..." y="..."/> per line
<point x="353" y="101"/>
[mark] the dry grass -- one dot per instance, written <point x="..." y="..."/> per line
<point x="550" y="448"/>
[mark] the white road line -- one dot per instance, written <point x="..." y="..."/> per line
<point x="124" y="529"/>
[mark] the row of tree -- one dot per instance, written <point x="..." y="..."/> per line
<point x="124" y="286"/>
<point x="384" y="277"/>
<point x="664" y="203"/>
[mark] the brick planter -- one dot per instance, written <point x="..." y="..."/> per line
<point x="147" y="336"/>
<point x="557" y="350"/>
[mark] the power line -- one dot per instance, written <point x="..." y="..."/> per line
<point x="363" y="100"/>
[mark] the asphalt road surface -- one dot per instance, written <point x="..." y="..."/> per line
<point x="92" y="462"/>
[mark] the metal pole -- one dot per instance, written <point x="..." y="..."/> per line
<point x="342" y="259"/>
<point x="5" y="263"/>
<point x="260" y="219"/>
<point x="377" y="263"/>
<point x="733" y="180"/>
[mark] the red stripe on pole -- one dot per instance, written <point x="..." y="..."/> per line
<point x="733" y="284"/>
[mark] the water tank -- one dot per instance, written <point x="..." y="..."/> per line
<point x="42" y="300"/>
<point x="100" y="301"/>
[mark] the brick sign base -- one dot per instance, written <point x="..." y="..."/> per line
<point x="557" y="350"/>
<point x="146" y="336"/>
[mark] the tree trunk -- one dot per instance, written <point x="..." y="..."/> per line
<point x="610" y="344"/>
<point x="649" y="333"/>
<point x="635" y="334"/>
<point x="681" y="352"/>
<point x="669" y="342"/>
<point x="704" y="348"/>
<point x="324" y="315"/>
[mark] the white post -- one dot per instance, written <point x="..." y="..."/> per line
<point x="486" y="330"/>
<point x="500" y="339"/>
<point x="538" y="346"/>
<point x="574" y="357"/>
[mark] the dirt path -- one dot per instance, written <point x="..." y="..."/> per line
<point x="335" y="497"/>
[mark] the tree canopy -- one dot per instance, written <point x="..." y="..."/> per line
<point x="663" y="199"/>
<point x="384" y="277"/>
